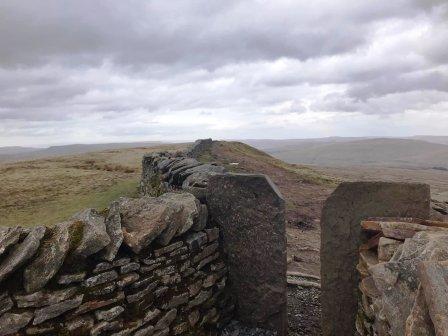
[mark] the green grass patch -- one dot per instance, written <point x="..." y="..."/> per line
<point x="62" y="208"/>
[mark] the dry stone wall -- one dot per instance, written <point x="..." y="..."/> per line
<point x="249" y="211"/>
<point x="156" y="265"/>
<point x="146" y="266"/>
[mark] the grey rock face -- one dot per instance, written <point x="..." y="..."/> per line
<point x="149" y="218"/>
<point x="341" y="237"/>
<point x="57" y="309"/>
<point x="249" y="209"/>
<point x="94" y="235"/>
<point x="49" y="259"/>
<point x="11" y="323"/>
<point x="113" y="229"/>
<point x="21" y="252"/>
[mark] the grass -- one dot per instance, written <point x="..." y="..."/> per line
<point x="305" y="174"/>
<point x="48" y="191"/>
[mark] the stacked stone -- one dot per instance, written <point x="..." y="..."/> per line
<point x="163" y="172"/>
<point x="403" y="267"/>
<point x="148" y="266"/>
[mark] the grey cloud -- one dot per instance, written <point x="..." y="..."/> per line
<point x="74" y="64"/>
<point x="197" y="33"/>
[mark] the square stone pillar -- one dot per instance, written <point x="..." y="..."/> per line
<point x="341" y="238"/>
<point x="250" y="212"/>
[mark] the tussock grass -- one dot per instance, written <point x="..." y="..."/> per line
<point x="47" y="191"/>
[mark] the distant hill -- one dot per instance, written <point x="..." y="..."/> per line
<point x="365" y="151"/>
<point x="16" y="153"/>
<point x="432" y="138"/>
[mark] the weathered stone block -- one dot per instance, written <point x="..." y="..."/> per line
<point x="341" y="237"/>
<point x="250" y="212"/>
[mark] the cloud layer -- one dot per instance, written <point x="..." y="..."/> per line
<point x="83" y="71"/>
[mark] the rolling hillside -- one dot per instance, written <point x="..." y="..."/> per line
<point x="16" y="153"/>
<point x="349" y="152"/>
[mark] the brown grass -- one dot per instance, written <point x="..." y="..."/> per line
<point x="47" y="191"/>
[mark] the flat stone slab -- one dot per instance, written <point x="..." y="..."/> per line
<point x="250" y="212"/>
<point x="21" y="252"/>
<point x="49" y="259"/>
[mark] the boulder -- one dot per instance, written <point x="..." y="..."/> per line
<point x="94" y="234"/>
<point x="11" y="323"/>
<point x="22" y="252"/>
<point x="49" y="259"/>
<point x="149" y="218"/>
<point x="113" y="229"/>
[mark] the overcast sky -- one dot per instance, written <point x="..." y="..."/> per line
<point x="87" y="71"/>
